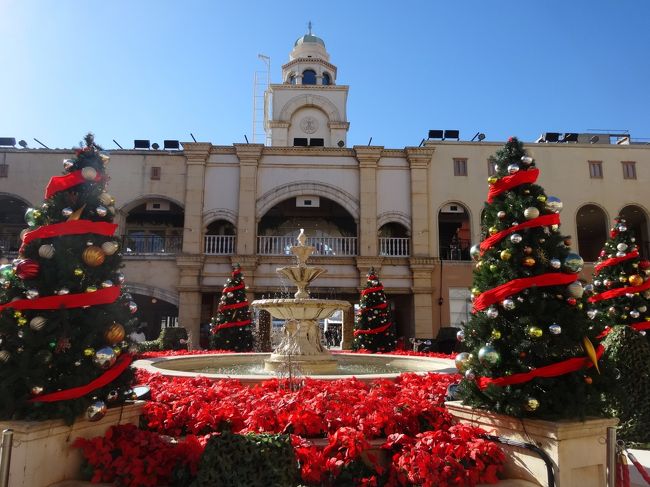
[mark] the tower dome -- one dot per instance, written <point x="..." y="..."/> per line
<point x="309" y="38"/>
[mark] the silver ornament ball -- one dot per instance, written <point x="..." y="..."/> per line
<point x="104" y="358"/>
<point x="96" y="411"/>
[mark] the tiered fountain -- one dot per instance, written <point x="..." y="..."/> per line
<point x="301" y="343"/>
<point x="300" y="347"/>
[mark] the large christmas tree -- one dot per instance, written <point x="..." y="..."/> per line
<point x="63" y="316"/>
<point x="232" y="326"/>
<point x="530" y="345"/>
<point x="374" y="328"/>
<point x="620" y="300"/>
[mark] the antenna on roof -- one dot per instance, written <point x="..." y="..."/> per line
<point x="41" y="143"/>
<point x="192" y="135"/>
<point x="117" y="144"/>
<point x="309" y="27"/>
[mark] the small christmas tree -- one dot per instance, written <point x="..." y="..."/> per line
<point x="530" y="346"/>
<point x="374" y="328"/>
<point x="619" y="300"/>
<point x="63" y="316"/>
<point x="232" y="326"/>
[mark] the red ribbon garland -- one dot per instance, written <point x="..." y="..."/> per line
<point x="105" y="295"/>
<point x="379" y="306"/>
<point x="233" y="306"/>
<point x="615" y="293"/>
<point x="371" y="290"/>
<point x="509" y="182"/>
<point x="373" y="331"/>
<point x="499" y="293"/>
<point x="553" y="370"/>
<point x="615" y="260"/>
<point x="544" y="220"/>
<point x="232" y="324"/>
<point x="641" y="325"/>
<point x="639" y="467"/>
<point x="74" y="227"/>
<point x="76" y="392"/>
<point x="235" y="288"/>
<point x="61" y="183"/>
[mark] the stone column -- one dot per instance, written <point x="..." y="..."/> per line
<point x="279" y="133"/>
<point x="196" y="155"/>
<point x="249" y="156"/>
<point x="368" y="157"/>
<point x="347" y="331"/>
<point x="422" y="270"/>
<point x="189" y="291"/>
<point x="419" y="159"/>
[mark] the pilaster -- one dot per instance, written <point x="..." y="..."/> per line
<point x="419" y="159"/>
<point x="347" y="331"/>
<point x="364" y="264"/>
<point x="189" y="295"/>
<point x="368" y="157"/>
<point x="423" y="286"/>
<point x="196" y="155"/>
<point x="249" y="156"/>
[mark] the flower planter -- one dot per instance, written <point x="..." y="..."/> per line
<point x="42" y="454"/>
<point x="577" y="449"/>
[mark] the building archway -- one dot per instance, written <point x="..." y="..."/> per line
<point x="157" y="308"/>
<point x="591" y="222"/>
<point x="12" y="222"/>
<point x="394" y="239"/>
<point x="636" y="220"/>
<point x="454" y="232"/>
<point x="220" y="238"/>
<point x="153" y="225"/>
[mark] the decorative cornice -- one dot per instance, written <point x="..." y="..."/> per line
<point x="419" y="157"/>
<point x="368" y="155"/>
<point x="279" y="124"/>
<point x="196" y="152"/>
<point x="303" y="60"/>
<point x="365" y="263"/>
<point x="288" y="87"/>
<point x="249" y="153"/>
<point x="422" y="263"/>
<point x="339" y="125"/>
<point x="190" y="261"/>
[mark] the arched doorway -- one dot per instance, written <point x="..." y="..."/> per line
<point x="220" y="238"/>
<point x="154" y="227"/>
<point x="12" y="222"/>
<point x="637" y="221"/>
<point x="328" y="225"/>
<point x="154" y="314"/>
<point x="454" y="235"/>
<point x="591" y="223"/>
<point x="393" y="240"/>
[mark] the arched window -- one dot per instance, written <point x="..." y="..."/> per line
<point x="453" y="232"/>
<point x="220" y="238"/>
<point x="309" y="77"/>
<point x="326" y="79"/>
<point x="637" y="222"/>
<point x="591" y="223"/>
<point x="292" y="79"/>
<point x="394" y="240"/>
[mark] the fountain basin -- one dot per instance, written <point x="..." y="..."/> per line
<point x="249" y="368"/>
<point x="300" y="309"/>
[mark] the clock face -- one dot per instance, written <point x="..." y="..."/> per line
<point x="309" y="125"/>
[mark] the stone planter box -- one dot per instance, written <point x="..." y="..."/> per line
<point x="42" y="454"/>
<point x="577" y="449"/>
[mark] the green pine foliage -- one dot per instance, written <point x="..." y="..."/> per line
<point x="374" y="313"/>
<point x="536" y="327"/>
<point x="48" y="350"/>
<point x="232" y="327"/>
<point x="627" y="351"/>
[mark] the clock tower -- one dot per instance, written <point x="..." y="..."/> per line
<point x="308" y="108"/>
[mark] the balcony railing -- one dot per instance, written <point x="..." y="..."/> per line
<point x="151" y="244"/>
<point x="394" y="247"/>
<point x="9" y="245"/>
<point x="219" y="244"/>
<point x="338" y="246"/>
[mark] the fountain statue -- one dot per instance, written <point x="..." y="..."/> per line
<point x="301" y="341"/>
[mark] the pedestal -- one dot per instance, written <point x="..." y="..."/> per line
<point x="577" y="449"/>
<point x="42" y="453"/>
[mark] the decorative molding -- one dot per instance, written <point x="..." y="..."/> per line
<point x="368" y="155"/>
<point x="396" y="217"/>
<point x="419" y="157"/>
<point x="339" y="125"/>
<point x="154" y="292"/>
<point x="303" y="60"/>
<point x="277" y="124"/>
<point x="287" y="87"/>
<point x="280" y="193"/>
<point x="196" y="152"/>
<point x="311" y="100"/>
<point x="127" y="207"/>
<point x="219" y="214"/>
<point x="249" y="153"/>
<point x="422" y="263"/>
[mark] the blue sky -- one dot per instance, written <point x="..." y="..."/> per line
<point x="164" y="69"/>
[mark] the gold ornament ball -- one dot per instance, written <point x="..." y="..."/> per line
<point x="535" y="331"/>
<point x="462" y="361"/>
<point x="89" y="352"/>
<point x="528" y="261"/>
<point x="541" y="198"/>
<point x="93" y="256"/>
<point x="110" y="247"/>
<point x="22" y="321"/>
<point x="531" y="404"/>
<point x="622" y="278"/>
<point x="493" y="267"/>
<point x="476" y="291"/>
<point x="635" y="280"/>
<point x="496" y="334"/>
<point x="505" y="255"/>
<point x="493" y="230"/>
<point x="114" y="334"/>
<point x="91" y="289"/>
<point x="78" y="272"/>
<point x="492" y="179"/>
<point x="531" y="213"/>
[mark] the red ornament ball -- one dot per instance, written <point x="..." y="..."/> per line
<point x="571" y="301"/>
<point x="644" y="264"/>
<point x="27" y="268"/>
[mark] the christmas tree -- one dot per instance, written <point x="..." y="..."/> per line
<point x="63" y="315"/>
<point x="374" y="328"/>
<point x="619" y="300"/>
<point x="530" y="346"/>
<point x="232" y="327"/>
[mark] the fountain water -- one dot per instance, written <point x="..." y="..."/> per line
<point x="301" y="342"/>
